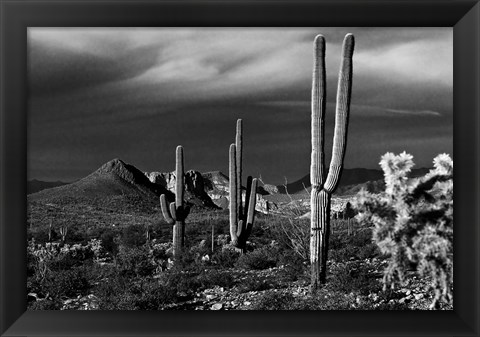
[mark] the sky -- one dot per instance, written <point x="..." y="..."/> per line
<point x="96" y="94"/>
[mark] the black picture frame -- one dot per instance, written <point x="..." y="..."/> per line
<point x="16" y="16"/>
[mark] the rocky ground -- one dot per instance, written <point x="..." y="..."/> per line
<point x="256" y="285"/>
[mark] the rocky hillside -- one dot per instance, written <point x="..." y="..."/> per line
<point x="113" y="178"/>
<point x="196" y="186"/>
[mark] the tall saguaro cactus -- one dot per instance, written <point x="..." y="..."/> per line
<point x="177" y="212"/>
<point x="241" y="216"/>
<point x="323" y="187"/>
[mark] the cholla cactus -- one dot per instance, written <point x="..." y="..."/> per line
<point x="322" y="188"/>
<point x="241" y="216"/>
<point x="413" y="222"/>
<point x="177" y="212"/>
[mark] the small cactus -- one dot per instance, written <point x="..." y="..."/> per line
<point x="63" y="232"/>
<point x="176" y="213"/>
<point x="241" y="216"/>
<point x="147" y="236"/>
<point x="322" y="188"/>
<point x="50" y="229"/>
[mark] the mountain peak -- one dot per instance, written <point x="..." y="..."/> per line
<point x="113" y="165"/>
<point x="127" y="172"/>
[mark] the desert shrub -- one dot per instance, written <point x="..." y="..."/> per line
<point x="133" y="236"/>
<point x="187" y="283"/>
<point x="274" y="301"/>
<point x="346" y="253"/>
<point x="261" y="233"/>
<point x="108" y="292"/>
<point x="136" y="261"/>
<point x="188" y="261"/>
<point x="109" y="241"/>
<point x="144" y="260"/>
<point x="195" y="230"/>
<point x="292" y="235"/>
<point x="40" y="235"/>
<point x="65" y="283"/>
<point x="151" y="294"/>
<point x="263" y="258"/>
<point x="180" y="281"/>
<point x="294" y="267"/>
<point x="413" y="221"/>
<point x="349" y="253"/>
<point x="358" y="246"/>
<point x="121" y="293"/>
<point x="368" y="251"/>
<point x="360" y="238"/>
<point x="76" y="233"/>
<point x="201" y="249"/>
<point x="225" y="258"/>
<point x="210" y="278"/>
<point x="354" y="277"/>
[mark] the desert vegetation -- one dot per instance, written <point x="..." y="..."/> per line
<point x="117" y="268"/>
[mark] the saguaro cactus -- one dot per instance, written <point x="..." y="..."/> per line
<point x="322" y="188"/>
<point x="241" y="216"/>
<point x="177" y="212"/>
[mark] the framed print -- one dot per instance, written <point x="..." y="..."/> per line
<point x="105" y="104"/>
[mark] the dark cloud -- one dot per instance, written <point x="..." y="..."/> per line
<point x="135" y="94"/>
<point x="53" y="69"/>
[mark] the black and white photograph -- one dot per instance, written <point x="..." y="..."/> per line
<point x="218" y="168"/>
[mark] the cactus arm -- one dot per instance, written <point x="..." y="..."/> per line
<point x="238" y="158"/>
<point x="251" y="207"/>
<point x="342" y="114"/>
<point x="318" y="112"/>
<point x="174" y="211"/>
<point x="179" y="181"/>
<point x="247" y="198"/>
<point x="166" y="213"/>
<point x="233" y="194"/>
<point x="241" y="228"/>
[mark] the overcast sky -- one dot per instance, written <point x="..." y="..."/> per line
<point x="136" y="93"/>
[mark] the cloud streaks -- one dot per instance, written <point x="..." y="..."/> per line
<point x="153" y="88"/>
